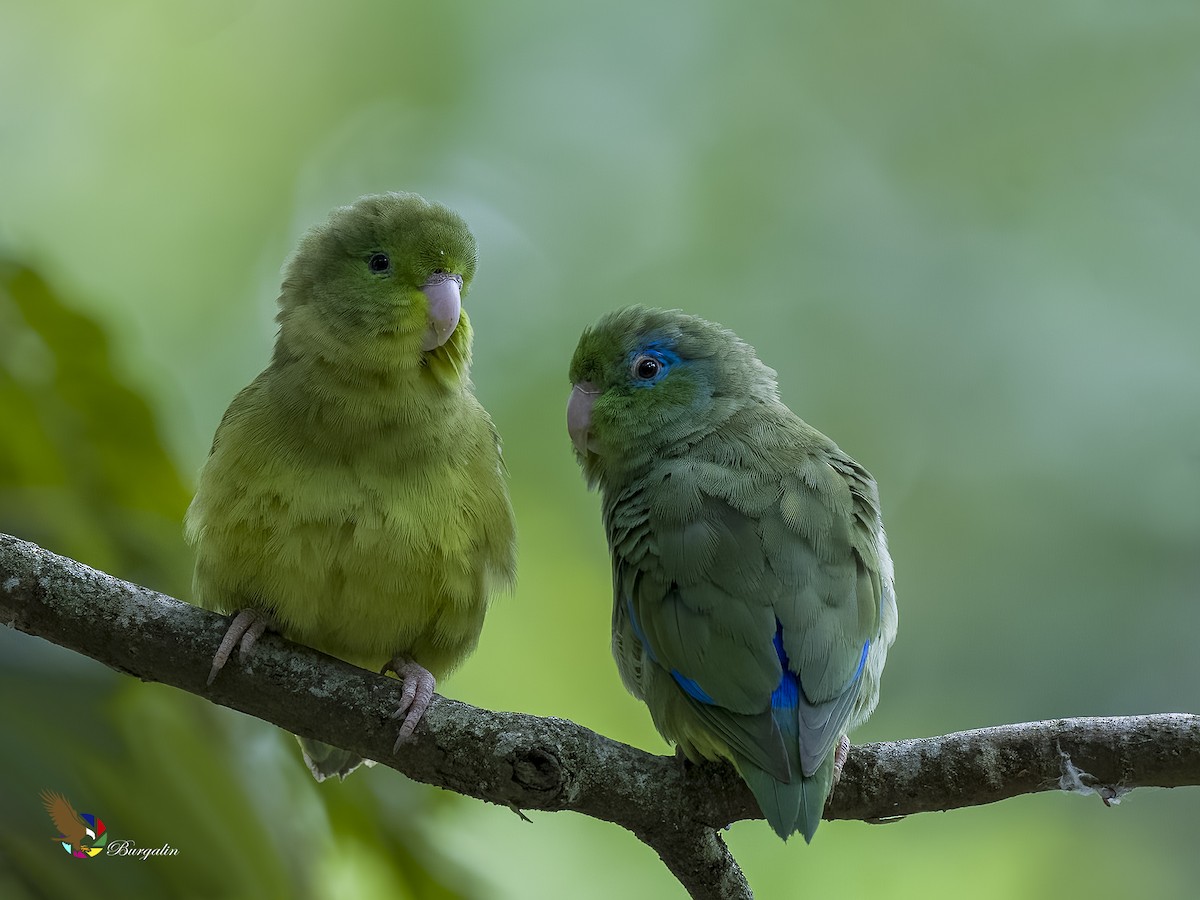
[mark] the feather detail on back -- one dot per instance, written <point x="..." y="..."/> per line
<point x="753" y="603"/>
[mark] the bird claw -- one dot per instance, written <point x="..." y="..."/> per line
<point x="839" y="760"/>
<point x="520" y="813"/>
<point x="245" y="629"/>
<point x="415" y="698"/>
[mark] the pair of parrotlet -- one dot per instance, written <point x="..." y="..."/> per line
<point x="355" y="500"/>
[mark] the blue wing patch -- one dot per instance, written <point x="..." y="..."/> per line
<point x="692" y="689"/>
<point x="821" y="724"/>
<point x="862" y="661"/>
<point x="787" y="693"/>
<point x="689" y="685"/>
<point x="637" y="630"/>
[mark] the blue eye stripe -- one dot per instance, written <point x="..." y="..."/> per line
<point x="658" y="352"/>
<point x="665" y="349"/>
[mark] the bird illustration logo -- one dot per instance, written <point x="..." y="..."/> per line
<point x="81" y="835"/>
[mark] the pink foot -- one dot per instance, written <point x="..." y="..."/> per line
<point x="418" y="692"/>
<point x="839" y="758"/>
<point x="247" y="627"/>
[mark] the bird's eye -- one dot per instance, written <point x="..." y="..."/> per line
<point x="439" y="271"/>
<point x="646" y="368"/>
<point x="379" y="263"/>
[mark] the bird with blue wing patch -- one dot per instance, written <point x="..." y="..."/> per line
<point x="753" y="602"/>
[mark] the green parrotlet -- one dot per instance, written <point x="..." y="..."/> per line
<point x="354" y="498"/>
<point x="753" y="603"/>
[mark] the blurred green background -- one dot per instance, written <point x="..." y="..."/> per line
<point x="964" y="233"/>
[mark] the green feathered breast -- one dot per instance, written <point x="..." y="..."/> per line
<point x="355" y="493"/>
<point x="753" y="602"/>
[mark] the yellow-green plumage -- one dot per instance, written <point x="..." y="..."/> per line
<point x="354" y="493"/>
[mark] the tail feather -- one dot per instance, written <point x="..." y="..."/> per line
<point x="779" y="801"/>
<point x="814" y="791"/>
<point x="790" y="806"/>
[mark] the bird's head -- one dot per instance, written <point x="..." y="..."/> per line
<point x="381" y="283"/>
<point x="650" y="382"/>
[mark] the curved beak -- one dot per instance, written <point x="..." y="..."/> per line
<point x="579" y="414"/>
<point x="443" y="291"/>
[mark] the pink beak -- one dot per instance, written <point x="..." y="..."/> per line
<point x="443" y="291"/>
<point x="579" y="414"/>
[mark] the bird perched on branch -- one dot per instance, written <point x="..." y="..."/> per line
<point x="753" y="602"/>
<point x="354" y="498"/>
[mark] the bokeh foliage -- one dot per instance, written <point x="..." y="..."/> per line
<point x="963" y="233"/>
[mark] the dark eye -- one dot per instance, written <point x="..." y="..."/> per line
<point x="379" y="262"/>
<point x="646" y="367"/>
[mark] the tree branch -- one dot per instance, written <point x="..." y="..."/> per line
<point x="550" y="764"/>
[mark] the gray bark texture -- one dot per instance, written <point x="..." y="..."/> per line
<point x="550" y="764"/>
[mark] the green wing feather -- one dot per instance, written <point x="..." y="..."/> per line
<point x="709" y="560"/>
